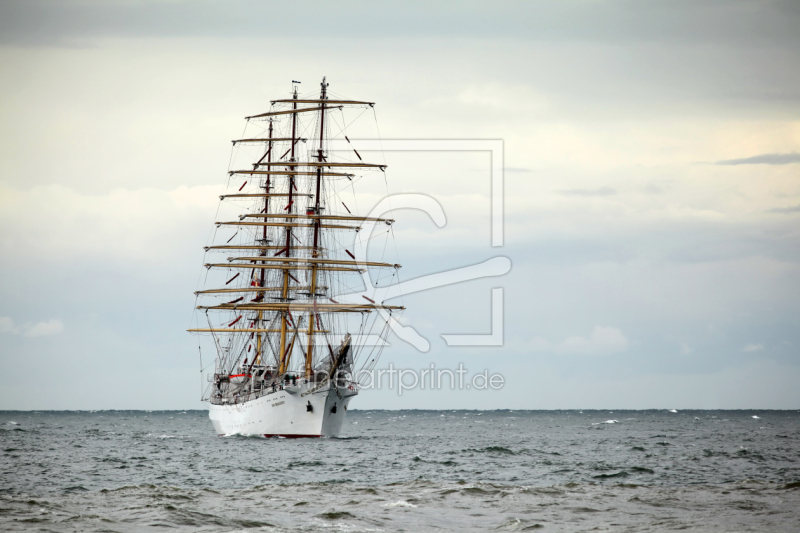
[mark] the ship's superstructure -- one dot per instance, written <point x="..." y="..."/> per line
<point x="287" y="335"/>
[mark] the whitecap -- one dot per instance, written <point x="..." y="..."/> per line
<point x="401" y="503"/>
<point x="756" y="417"/>
<point x="611" y="422"/>
<point x="673" y="411"/>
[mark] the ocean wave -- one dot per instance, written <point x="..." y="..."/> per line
<point x="621" y="473"/>
<point x="399" y="503"/>
<point x="336" y="515"/>
<point x="541" y="469"/>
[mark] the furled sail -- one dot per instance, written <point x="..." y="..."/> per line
<point x="284" y="302"/>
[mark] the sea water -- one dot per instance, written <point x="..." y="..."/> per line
<point x="405" y="471"/>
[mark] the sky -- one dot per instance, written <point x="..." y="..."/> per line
<point x="651" y="191"/>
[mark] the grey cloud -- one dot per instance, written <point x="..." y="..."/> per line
<point x="653" y="189"/>
<point x="50" y="22"/>
<point x="606" y="60"/>
<point x="785" y="210"/>
<point x="711" y="243"/>
<point x="764" y="159"/>
<point x="686" y="242"/>
<point x="602" y="191"/>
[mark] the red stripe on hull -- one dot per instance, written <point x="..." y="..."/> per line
<point x="295" y="436"/>
<point x="284" y="436"/>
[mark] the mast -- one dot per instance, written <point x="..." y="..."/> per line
<point x="285" y="294"/>
<point x="260" y="295"/>
<point x="315" y="247"/>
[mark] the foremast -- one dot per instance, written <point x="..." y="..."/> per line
<point x="262" y="281"/>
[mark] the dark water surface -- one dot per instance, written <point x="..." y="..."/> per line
<point x="405" y="471"/>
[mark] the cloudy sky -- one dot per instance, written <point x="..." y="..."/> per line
<point x="652" y="190"/>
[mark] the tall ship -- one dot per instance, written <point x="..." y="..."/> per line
<point x="283" y="300"/>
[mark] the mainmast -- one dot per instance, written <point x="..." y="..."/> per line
<point x="315" y="247"/>
<point x="284" y="353"/>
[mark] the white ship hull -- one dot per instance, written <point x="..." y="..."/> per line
<point x="285" y="413"/>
